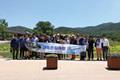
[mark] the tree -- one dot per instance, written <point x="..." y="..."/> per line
<point x="44" y="27"/>
<point x="3" y="28"/>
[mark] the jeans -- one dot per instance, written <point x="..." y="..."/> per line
<point x="15" y="53"/>
<point x="21" y="53"/>
<point x="90" y="54"/>
<point x="105" y="53"/>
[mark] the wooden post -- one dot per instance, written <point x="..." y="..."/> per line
<point x="114" y="61"/>
<point x="51" y="61"/>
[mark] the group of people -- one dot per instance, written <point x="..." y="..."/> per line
<point x="100" y="43"/>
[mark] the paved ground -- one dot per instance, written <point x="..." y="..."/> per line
<point x="67" y="70"/>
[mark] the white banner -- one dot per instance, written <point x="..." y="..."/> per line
<point x="57" y="48"/>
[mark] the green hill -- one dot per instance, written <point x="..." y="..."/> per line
<point x="111" y="30"/>
<point x="19" y="29"/>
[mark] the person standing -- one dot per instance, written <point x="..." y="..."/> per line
<point x="73" y="41"/>
<point x="82" y="42"/>
<point x="105" y="47"/>
<point x="34" y="41"/>
<point x="90" y="48"/>
<point x="14" y="44"/>
<point x="22" y="46"/>
<point x="98" y="45"/>
<point x="26" y="50"/>
<point x="67" y="41"/>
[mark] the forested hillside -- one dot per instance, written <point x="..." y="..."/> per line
<point x="111" y="30"/>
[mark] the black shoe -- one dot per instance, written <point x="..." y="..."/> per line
<point x="97" y="59"/>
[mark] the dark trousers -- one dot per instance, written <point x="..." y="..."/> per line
<point x="82" y="55"/>
<point x="21" y="53"/>
<point x="90" y="54"/>
<point x="15" y="53"/>
<point x="105" y="53"/>
<point x="60" y="56"/>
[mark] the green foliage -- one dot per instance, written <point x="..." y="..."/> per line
<point x="44" y="27"/>
<point x="5" y="47"/>
<point x="3" y="28"/>
<point x="66" y="30"/>
<point x="115" y="49"/>
<point x="5" y="50"/>
<point x="6" y="54"/>
<point x="114" y="46"/>
<point x="111" y="30"/>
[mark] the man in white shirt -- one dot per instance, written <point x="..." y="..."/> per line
<point x="105" y="47"/>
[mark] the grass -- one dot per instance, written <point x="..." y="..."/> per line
<point x="5" y="49"/>
<point x="6" y="54"/>
<point x="115" y="47"/>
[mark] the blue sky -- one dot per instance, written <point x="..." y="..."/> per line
<point x="70" y="13"/>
